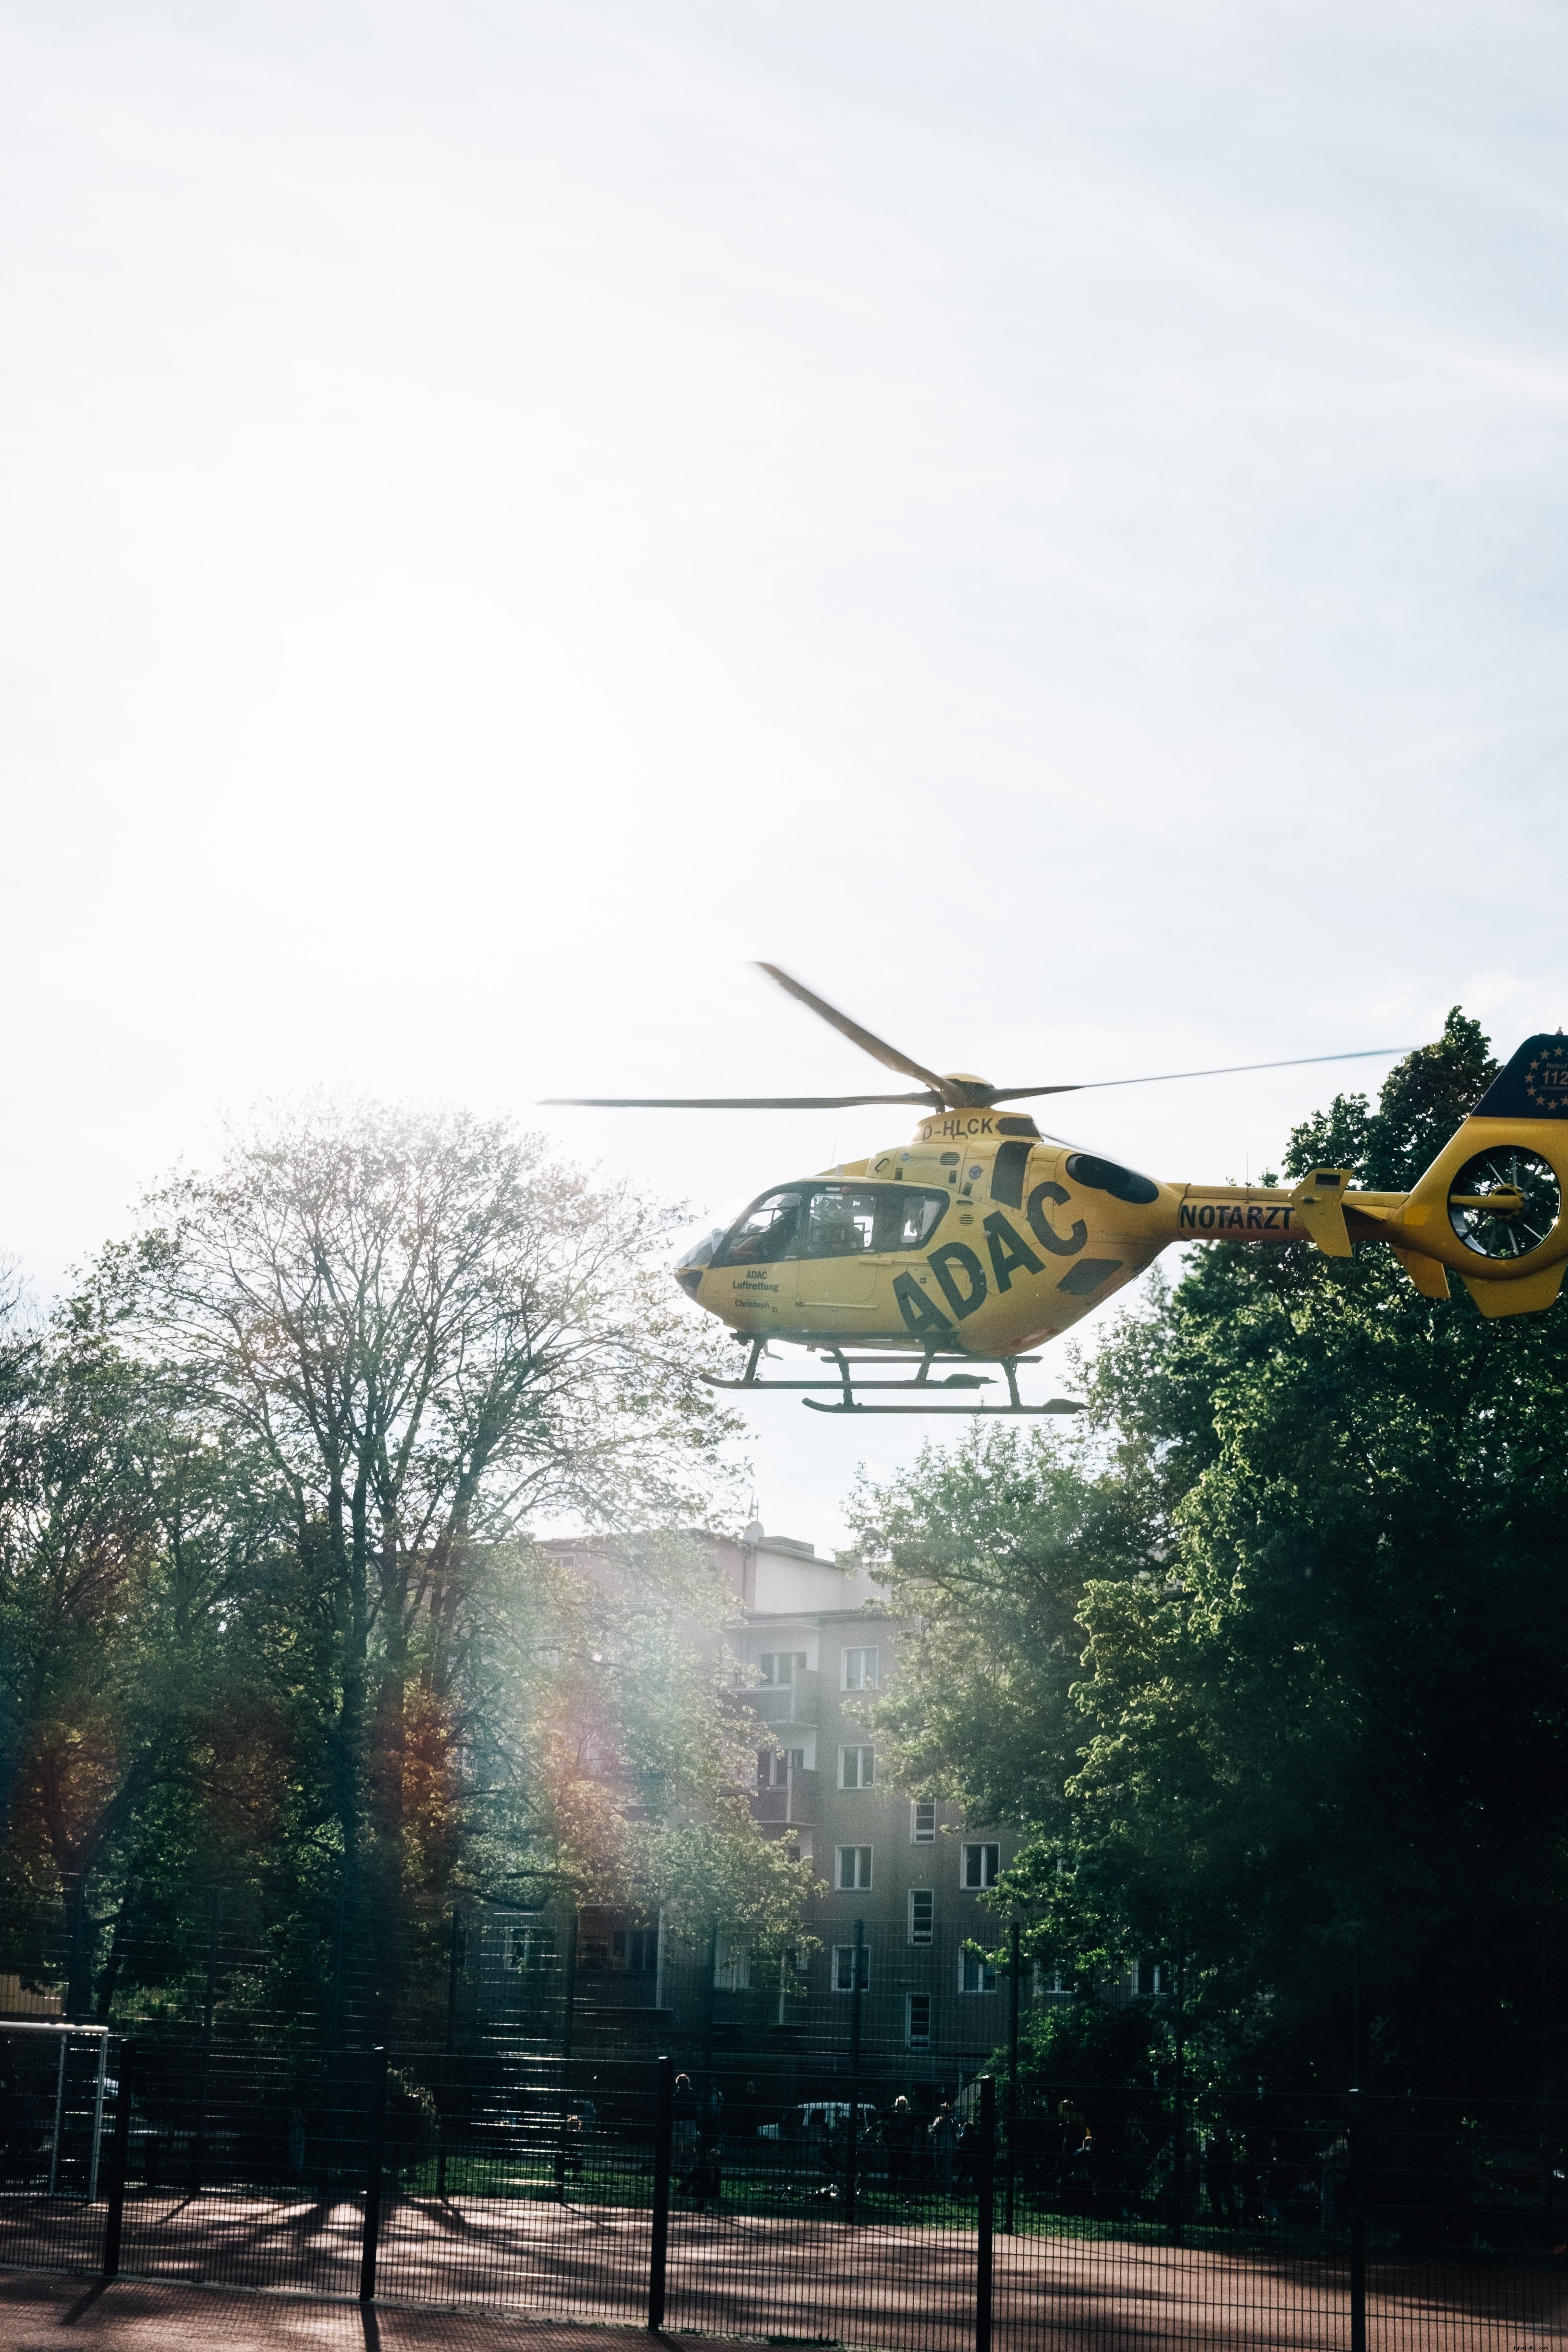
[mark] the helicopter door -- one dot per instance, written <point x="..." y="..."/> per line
<point x="836" y="1267"/>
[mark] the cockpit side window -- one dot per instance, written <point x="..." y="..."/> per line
<point x="842" y="1221"/>
<point x="907" y="1217"/>
<point x="847" y="1220"/>
<point x="767" y="1232"/>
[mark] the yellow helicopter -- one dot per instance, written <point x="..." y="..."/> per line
<point x="983" y="1238"/>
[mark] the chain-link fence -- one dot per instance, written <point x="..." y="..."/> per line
<point x="766" y="2195"/>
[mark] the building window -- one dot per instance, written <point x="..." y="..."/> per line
<point x="774" y="1768"/>
<point x="1049" y="1979"/>
<point x="923" y="1824"/>
<point x="853" y="1867"/>
<point x="778" y="1668"/>
<point x="633" y="1952"/>
<point x="917" y="2021"/>
<point x="981" y="1864"/>
<point x="858" y="1670"/>
<point x="976" y="1974"/>
<point x="843" y="1966"/>
<point x="856" y="1768"/>
<point x="732" y="1965"/>
<point x="923" y="1907"/>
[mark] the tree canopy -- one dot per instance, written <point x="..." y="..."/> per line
<point x="1268" y="1659"/>
<point x="272" y="1620"/>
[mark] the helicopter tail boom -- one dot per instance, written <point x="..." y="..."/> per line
<point x="1490" y="1208"/>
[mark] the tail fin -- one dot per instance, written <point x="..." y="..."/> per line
<point x="1533" y="1085"/>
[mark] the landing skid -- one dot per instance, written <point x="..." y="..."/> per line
<point x="847" y="1384"/>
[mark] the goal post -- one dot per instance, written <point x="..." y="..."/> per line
<point x="56" y="2079"/>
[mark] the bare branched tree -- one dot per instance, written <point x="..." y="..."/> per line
<point x="434" y="1335"/>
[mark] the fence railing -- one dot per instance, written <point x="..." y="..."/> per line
<point x="750" y="2199"/>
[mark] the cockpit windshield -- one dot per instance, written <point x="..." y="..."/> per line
<point x="833" y="1221"/>
<point x="701" y="1252"/>
<point x="765" y="1234"/>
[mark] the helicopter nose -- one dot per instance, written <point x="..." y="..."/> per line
<point x="689" y="1268"/>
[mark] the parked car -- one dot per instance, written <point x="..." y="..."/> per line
<point x="816" y="2119"/>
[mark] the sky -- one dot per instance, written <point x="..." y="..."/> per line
<point x="1047" y="522"/>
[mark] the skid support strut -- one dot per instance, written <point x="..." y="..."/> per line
<point x="851" y="1387"/>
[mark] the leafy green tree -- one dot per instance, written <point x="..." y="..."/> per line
<point x="1310" y="1732"/>
<point x="122" y="1540"/>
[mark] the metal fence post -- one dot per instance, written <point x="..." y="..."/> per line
<point x="1355" y="2185"/>
<point x="1013" y="2084"/>
<point x="119" y="2162"/>
<point x="59" y="2111"/>
<point x="454" y="1957"/>
<point x="1179" y="2105"/>
<point x="712" y="1971"/>
<point x="199" y="2137"/>
<point x="851" y="2166"/>
<point x="985" y="2182"/>
<point x="96" y="2119"/>
<point x="663" y="2138"/>
<point x="569" y="2014"/>
<point x="377" y="2138"/>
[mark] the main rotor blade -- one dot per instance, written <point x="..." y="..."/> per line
<point x="889" y="1056"/>
<point x="732" y="1102"/>
<point x="1161" y="1078"/>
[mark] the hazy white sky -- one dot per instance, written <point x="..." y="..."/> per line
<point x="1048" y="521"/>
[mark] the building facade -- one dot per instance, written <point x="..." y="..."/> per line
<point x="902" y="1880"/>
<point x="899" y="1906"/>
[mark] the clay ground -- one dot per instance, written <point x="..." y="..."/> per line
<point x="52" y="2315"/>
<point x="504" y="2271"/>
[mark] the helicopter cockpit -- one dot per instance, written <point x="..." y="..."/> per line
<point x="829" y="1220"/>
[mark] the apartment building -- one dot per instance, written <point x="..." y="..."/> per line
<point x="901" y="1881"/>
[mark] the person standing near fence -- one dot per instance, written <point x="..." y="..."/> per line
<point x="900" y="2135"/>
<point x="1331" y="2188"/>
<point x="684" y="2140"/>
<point x="966" y="2152"/>
<point x="1220" y="2177"/>
<point x="942" y="2136"/>
<point x="1083" y="2173"/>
<point x="708" y="2172"/>
<point x="568" y="2155"/>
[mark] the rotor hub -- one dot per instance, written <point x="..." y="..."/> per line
<point x="965" y="1091"/>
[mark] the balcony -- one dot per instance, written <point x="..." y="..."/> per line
<point x="795" y="1803"/>
<point x="782" y="1703"/>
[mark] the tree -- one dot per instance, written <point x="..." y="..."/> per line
<point x="1316" y="1728"/>
<point x="430" y="1333"/>
<point x="118" y="1541"/>
<point x="276" y="1637"/>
